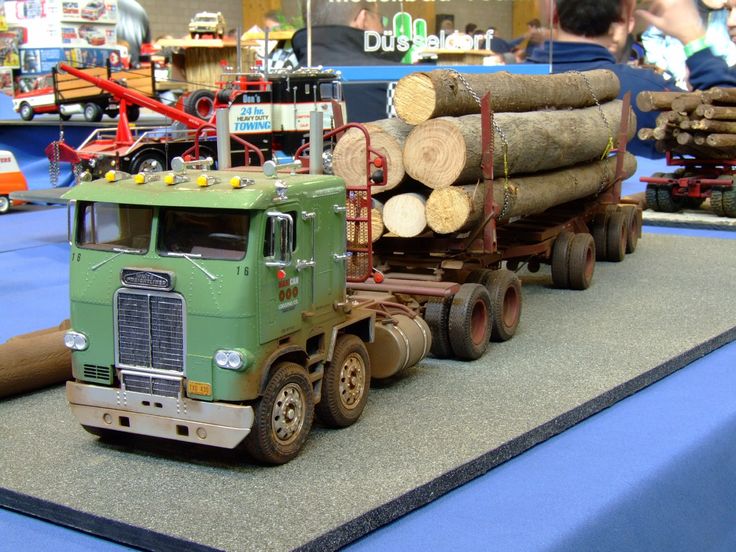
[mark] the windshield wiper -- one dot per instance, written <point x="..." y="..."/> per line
<point x="188" y="257"/>
<point x="118" y="251"/>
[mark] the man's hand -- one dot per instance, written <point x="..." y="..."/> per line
<point x="677" y="18"/>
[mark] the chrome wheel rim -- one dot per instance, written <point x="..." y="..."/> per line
<point x="352" y="381"/>
<point x="287" y="414"/>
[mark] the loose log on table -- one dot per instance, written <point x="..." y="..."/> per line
<point x="721" y="140"/>
<point x="716" y="112"/>
<point x="403" y="215"/>
<point x="687" y="103"/>
<point x="726" y="127"/>
<point x="34" y="360"/>
<point x="387" y="137"/>
<point x="424" y="95"/>
<point x="446" y="151"/>
<point x="721" y="95"/>
<point x="459" y="208"/>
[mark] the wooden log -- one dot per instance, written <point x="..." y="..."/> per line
<point x="34" y="360"/>
<point x="699" y="139"/>
<point x="669" y="118"/>
<point x="357" y="236"/>
<point x="645" y="134"/>
<point x="404" y="216"/>
<point x="721" y="95"/>
<point x="687" y="103"/>
<point x="656" y="101"/>
<point x="447" y="150"/>
<point x="662" y="133"/>
<point x="726" y="127"/>
<point x="726" y="113"/>
<point x="425" y="95"/>
<point x="460" y="208"/>
<point x="721" y="140"/>
<point x="387" y="137"/>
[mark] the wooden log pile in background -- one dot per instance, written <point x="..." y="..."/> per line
<point x="701" y="123"/>
<point x="550" y="133"/>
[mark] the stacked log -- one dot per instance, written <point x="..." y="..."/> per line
<point x="701" y="124"/>
<point x="551" y="136"/>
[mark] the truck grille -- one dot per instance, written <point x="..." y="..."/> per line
<point x="152" y="385"/>
<point x="150" y="330"/>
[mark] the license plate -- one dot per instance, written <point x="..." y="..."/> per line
<point x="199" y="388"/>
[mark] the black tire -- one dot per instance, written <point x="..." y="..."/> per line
<point x="470" y="321"/>
<point x="64" y="116"/>
<point x="716" y="202"/>
<point x="200" y="103"/>
<point x="598" y="231"/>
<point x="345" y="384"/>
<point x="633" y="226"/>
<point x="133" y="112"/>
<point x="477" y="276"/>
<point x="582" y="261"/>
<point x="504" y="288"/>
<point x="616" y="233"/>
<point x="283" y="416"/>
<point x="693" y="203"/>
<point x="148" y="161"/>
<point x="4" y="204"/>
<point x="651" y="197"/>
<point x="666" y="202"/>
<point x="729" y="203"/>
<point x="561" y="259"/>
<point x="92" y="113"/>
<point x="26" y="111"/>
<point x="437" y="317"/>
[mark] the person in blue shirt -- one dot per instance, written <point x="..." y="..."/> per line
<point x="590" y="33"/>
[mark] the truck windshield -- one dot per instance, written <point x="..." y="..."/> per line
<point x="112" y="227"/>
<point x="205" y="233"/>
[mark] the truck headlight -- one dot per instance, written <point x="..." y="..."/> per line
<point x="75" y="341"/>
<point x="228" y="359"/>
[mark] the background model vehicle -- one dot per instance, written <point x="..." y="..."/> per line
<point x="93" y="11"/>
<point x="27" y="101"/>
<point x="207" y="23"/>
<point x="93" y="35"/>
<point x="11" y="180"/>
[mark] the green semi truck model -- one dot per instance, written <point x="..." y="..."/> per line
<point x="212" y="307"/>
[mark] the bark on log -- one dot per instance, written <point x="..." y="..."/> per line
<point x="722" y="95"/>
<point x="725" y="127"/>
<point x="687" y="103"/>
<point x="716" y="112"/>
<point x="447" y="151"/>
<point x="425" y="95"/>
<point x="34" y="360"/>
<point x="460" y="208"/>
<point x="721" y="140"/>
<point x="387" y="137"/>
<point x="404" y="216"/>
<point x="656" y="101"/>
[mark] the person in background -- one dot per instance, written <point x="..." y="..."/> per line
<point x="133" y="27"/>
<point x="589" y="32"/>
<point x="337" y="40"/>
<point x="667" y="53"/>
<point x="272" y="20"/>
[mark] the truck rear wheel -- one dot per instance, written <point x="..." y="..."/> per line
<point x="616" y="233"/>
<point x="283" y="416"/>
<point x="666" y="202"/>
<point x="632" y="217"/>
<point x="729" y="203"/>
<point x="470" y="321"/>
<point x="148" y="161"/>
<point x="561" y="260"/>
<point x="582" y="261"/>
<point x="598" y="231"/>
<point x="504" y="289"/>
<point x="345" y="383"/>
<point x="437" y="317"/>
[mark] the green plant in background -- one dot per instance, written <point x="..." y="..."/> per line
<point x="403" y="26"/>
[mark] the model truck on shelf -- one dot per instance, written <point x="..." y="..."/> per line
<point x="267" y="118"/>
<point x="227" y="307"/>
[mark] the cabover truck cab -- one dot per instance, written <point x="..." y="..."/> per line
<point x="213" y="310"/>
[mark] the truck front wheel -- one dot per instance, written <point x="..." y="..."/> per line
<point x="4" y="204"/>
<point x="345" y="384"/>
<point x="283" y="416"/>
<point x="26" y="112"/>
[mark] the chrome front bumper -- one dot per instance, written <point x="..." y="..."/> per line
<point x="214" y="424"/>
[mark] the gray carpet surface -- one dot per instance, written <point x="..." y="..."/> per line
<point x="433" y="428"/>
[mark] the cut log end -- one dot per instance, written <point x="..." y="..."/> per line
<point x="435" y="153"/>
<point x="404" y="216"/>
<point x="449" y="209"/>
<point x="415" y="98"/>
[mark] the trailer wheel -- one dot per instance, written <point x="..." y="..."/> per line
<point x="598" y="231"/>
<point x="582" y="261"/>
<point x="470" y="321"/>
<point x="92" y="113"/>
<point x="133" y="112"/>
<point x="716" y="202"/>
<point x="26" y="111"/>
<point x="200" y="103"/>
<point x="283" y="416"/>
<point x="345" y="383"/>
<point x="148" y="161"/>
<point x="504" y="287"/>
<point x="632" y="216"/>
<point x="651" y="197"/>
<point x="616" y="233"/>
<point x="728" y="201"/>
<point x="437" y="317"/>
<point x="666" y="202"/>
<point x="561" y="260"/>
<point x="4" y="204"/>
